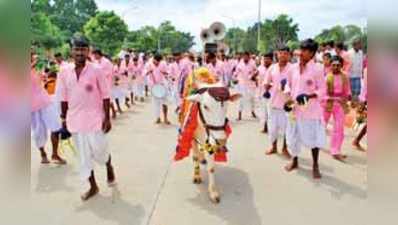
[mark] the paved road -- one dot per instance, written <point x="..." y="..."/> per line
<point x="154" y="191"/>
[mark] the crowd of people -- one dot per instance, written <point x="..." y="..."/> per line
<point x="294" y="93"/>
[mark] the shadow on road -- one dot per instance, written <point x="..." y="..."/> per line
<point x="53" y="179"/>
<point x="237" y="199"/>
<point x="115" y="210"/>
<point x="338" y="188"/>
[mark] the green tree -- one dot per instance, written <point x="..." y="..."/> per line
<point x="71" y="15"/>
<point x="234" y="38"/>
<point x="44" y="33"/>
<point x="166" y="36"/>
<point x="107" y="31"/>
<point x="276" y="33"/>
<point x="41" y="6"/>
<point x="339" y="33"/>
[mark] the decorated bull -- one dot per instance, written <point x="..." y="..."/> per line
<point x="204" y="125"/>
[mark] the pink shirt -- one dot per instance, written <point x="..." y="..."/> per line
<point x="85" y="97"/>
<point x="175" y="72"/>
<point x="186" y="67"/>
<point x="217" y="70"/>
<point x="310" y="81"/>
<point x="244" y="72"/>
<point x="157" y="74"/>
<point x="107" y="67"/>
<point x="364" y="90"/>
<point x="138" y="72"/>
<point x="274" y="77"/>
<point x="347" y="62"/>
<point x="39" y="96"/>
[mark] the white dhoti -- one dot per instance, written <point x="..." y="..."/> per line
<point x="44" y="121"/>
<point x="175" y="97"/>
<point x="157" y="105"/>
<point x="92" y="147"/>
<point x="263" y="109"/>
<point x="248" y="98"/>
<point x="118" y="93"/>
<point x="307" y="133"/>
<point x="139" y="89"/>
<point x="277" y="122"/>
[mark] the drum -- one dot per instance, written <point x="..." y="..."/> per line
<point x="159" y="91"/>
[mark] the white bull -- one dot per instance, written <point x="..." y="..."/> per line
<point x="210" y="134"/>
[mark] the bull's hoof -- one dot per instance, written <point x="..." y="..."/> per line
<point x="197" y="180"/>
<point x="203" y="162"/>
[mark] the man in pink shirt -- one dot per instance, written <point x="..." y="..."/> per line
<point x="267" y="61"/>
<point x="44" y="117"/>
<point x="127" y="79"/>
<point x="275" y="84"/>
<point x="215" y="67"/>
<point x="340" y="51"/>
<point x="157" y="73"/>
<point x="138" y="77"/>
<point x="85" y="103"/>
<point x="305" y="125"/>
<point x="246" y="75"/>
<point x="175" y="69"/>
<point x="60" y="61"/>
<point x="118" y="94"/>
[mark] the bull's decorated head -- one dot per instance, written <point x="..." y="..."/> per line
<point x="213" y="99"/>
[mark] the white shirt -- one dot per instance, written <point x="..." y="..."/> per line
<point x="357" y="63"/>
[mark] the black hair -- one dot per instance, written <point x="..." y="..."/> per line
<point x="158" y="57"/>
<point x="330" y="43"/>
<point x="284" y="49"/>
<point x="327" y="54"/>
<point x="309" y="44"/>
<point x="246" y="53"/>
<point x="127" y="56"/>
<point x="269" y="54"/>
<point x="211" y="55"/>
<point x="80" y="41"/>
<point x="58" y="54"/>
<point x="175" y="54"/>
<point x="340" y="45"/>
<point x="97" y="51"/>
<point x="338" y="58"/>
<point x="135" y="59"/>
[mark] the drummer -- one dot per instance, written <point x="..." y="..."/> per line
<point x="156" y="71"/>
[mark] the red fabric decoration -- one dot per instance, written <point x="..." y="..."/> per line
<point x="187" y="136"/>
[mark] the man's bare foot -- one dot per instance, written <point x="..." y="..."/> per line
<point x="127" y="105"/>
<point x="316" y="173"/>
<point x="58" y="160"/>
<point x="167" y="122"/>
<point x="271" y="151"/>
<point x="339" y="157"/>
<point x="89" y="194"/>
<point x="44" y="160"/>
<point x="158" y="121"/>
<point x="357" y="146"/>
<point x="286" y="153"/>
<point x="142" y="99"/>
<point x="110" y="176"/>
<point x="113" y="115"/>
<point x="291" y="166"/>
